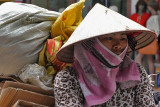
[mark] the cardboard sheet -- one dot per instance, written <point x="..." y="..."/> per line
<point x="13" y="91"/>
<point x="27" y="87"/>
<point x="23" y="103"/>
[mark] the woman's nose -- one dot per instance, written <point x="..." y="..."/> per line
<point x="117" y="45"/>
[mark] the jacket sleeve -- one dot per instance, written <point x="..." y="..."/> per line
<point x="144" y="95"/>
<point x="67" y="90"/>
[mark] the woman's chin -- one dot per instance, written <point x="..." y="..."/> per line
<point x="117" y="52"/>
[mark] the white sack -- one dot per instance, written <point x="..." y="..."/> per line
<point x="23" y="31"/>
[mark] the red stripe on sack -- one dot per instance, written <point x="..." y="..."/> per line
<point x="53" y="48"/>
<point x="49" y="46"/>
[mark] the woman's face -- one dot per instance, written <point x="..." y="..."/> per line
<point x="141" y="7"/>
<point x="115" y="42"/>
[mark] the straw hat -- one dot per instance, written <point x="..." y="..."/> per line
<point x="99" y="21"/>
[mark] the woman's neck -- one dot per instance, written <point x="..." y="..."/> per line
<point x="140" y="13"/>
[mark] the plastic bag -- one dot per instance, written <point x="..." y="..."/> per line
<point x="23" y="30"/>
<point x="36" y="75"/>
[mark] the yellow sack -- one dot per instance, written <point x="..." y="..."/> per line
<point x="68" y="20"/>
<point x="61" y="30"/>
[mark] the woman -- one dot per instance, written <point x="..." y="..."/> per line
<point x="102" y="75"/>
<point x="151" y="50"/>
<point x="141" y="16"/>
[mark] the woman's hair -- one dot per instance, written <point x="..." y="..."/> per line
<point x="141" y="2"/>
<point x="153" y="4"/>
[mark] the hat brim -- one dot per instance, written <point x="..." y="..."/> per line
<point x="66" y="53"/>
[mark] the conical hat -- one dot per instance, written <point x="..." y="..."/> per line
<point x="99" y="21"/>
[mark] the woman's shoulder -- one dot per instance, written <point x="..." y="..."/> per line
<point x="67" y="90"/>
<point x="147" y="14"/>
<point x="133" y="16"/>
<point x="143" y="74"/>
<point x="142" y="70"/>
<point x="67" y="73"/>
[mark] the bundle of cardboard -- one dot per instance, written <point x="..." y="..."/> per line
<point x="17" y="94"/>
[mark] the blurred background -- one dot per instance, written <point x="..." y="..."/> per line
<point x="125" y="7"/>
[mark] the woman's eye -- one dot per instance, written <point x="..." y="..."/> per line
<point x="109" y="38"/>
<point x="123" y="38"/>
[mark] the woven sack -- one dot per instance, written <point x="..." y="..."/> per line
<point x="23" y="30"/>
